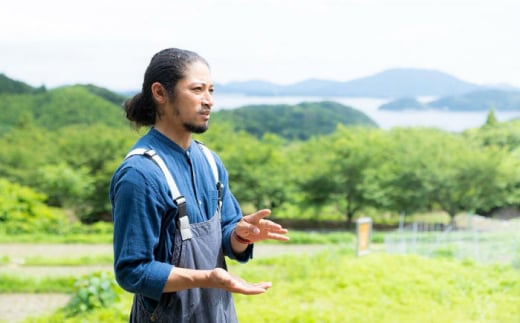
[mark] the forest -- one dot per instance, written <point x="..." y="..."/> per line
<point x="61" y="146"/>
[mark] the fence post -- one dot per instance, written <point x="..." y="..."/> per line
<point x="364" y="235"/>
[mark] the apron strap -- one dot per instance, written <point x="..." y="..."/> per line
<point x="214" y="169"/>
<point x="211" y="160"/>
<point x="183" y="222"/>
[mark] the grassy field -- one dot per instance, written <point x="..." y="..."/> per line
<point x="334" y="285"/>
<point x="317" y="277"/>
<point x="337" y="287"/>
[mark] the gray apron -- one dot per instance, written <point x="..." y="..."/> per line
<point x="201" y="250"/>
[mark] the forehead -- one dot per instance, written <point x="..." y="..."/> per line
<point x="197" y="71"/>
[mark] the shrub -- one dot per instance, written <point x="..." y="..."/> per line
<point x="23" y="210"/>
<point x="92" y="292"/>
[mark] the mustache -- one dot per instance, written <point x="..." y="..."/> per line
<point x="204" y="110"/>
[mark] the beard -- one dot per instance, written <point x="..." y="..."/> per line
<point x="194" y="128"/>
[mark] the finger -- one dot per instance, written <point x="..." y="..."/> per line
<point x="264" y="285"/>
<point x="280" y="230"/>
<point x="278" y="237"/>
<point x="254" y="289"/>
<point x="244" y="229"/>
<point x="257" y="216"/>
<point x="271" y="226"/>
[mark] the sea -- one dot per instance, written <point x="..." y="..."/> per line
<point x="453" y="121"/>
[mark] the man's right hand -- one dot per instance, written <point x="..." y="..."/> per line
<point x="223" y="279"/>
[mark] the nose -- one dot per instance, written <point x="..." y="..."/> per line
<point x="207" y="99"/>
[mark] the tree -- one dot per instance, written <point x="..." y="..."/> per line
<point x="491" y="119"/>
<point x="503" y="134"/>
<point x="65" y="186"/>
<point x="90" y="149"/>
<point x="23" y="151"/>
<point x="256" y="168"/>
<point x="349" y="153"/>
<point x="398" y="182"/>
<point x="466" y="177"/>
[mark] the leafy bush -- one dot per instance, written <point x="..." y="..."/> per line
<point x="64" y="185"/>
<point x="91" y="292"/>
<point x="23" y="210"/>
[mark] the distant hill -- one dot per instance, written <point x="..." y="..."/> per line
<point x="89" y="104"/>
<point x="8" y="85"/>
<point x="473" y="101"/>
<point x="293" y="122"/>
<point x="409" y="82"/>
<point x="403" y="104"/>
<point x="113" y="97"/>
<point x="393" y="83"/>
<point x="59" y="107"/>
<point x="480" y="100"/>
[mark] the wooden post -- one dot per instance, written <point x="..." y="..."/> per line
<point x="364" y="235"/>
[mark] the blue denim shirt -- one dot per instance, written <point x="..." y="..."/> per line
<point x="143" y="210"/>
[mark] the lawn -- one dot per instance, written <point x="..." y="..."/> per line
<point x="336" y="286"/>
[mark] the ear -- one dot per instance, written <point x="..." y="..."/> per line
<point x="159" y="93"/>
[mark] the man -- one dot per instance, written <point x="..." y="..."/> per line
<point x="174" y="215"/>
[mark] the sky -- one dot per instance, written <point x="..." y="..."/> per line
<point x="109" y="43"/>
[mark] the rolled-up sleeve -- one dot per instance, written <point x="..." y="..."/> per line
<point x="231" y="215"/>
<point x="136" y="210"/>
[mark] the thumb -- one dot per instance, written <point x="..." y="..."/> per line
<point x="254" y="218"/>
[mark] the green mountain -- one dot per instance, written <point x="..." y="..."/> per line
<point x="480" y="100"/>
<point x="11" y="86"/>
<point x="56" y="108"/>
<point x="293" y="122"/>
<point x="403" y="104"/>
<point x="88" y="104"/>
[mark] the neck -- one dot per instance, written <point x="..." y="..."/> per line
<point x="181" y="138"/>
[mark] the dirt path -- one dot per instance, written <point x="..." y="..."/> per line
<point x="23" y="250"/>
<point x="16" y="307"/>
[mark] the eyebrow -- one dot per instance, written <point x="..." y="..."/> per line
<point x="202" y="83"/>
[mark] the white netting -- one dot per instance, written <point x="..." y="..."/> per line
<point x="477" y="238"/>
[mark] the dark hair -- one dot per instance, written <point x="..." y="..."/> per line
<point x="166" y="67"/>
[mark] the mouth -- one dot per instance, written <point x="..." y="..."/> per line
<point x="205" y="114"/>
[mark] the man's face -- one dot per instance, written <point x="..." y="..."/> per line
<point x="193" y="100"/>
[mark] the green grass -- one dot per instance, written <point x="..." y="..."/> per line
<point x="16" y="284"/>
<point x="336" y="286"/>
<point x="98" y="238"/>
<point x="316" y="237"/>
<point x="4" y="260"/>
<point x="332" y="286"/>
<point x="106" y="259"/>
